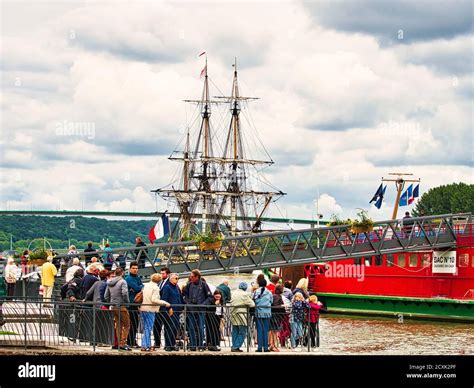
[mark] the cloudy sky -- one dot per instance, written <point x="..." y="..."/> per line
<point x="349" y="92"/>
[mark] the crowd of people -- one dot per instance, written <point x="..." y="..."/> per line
<point x="277" y="313"/>
<point x="274" y="314"/>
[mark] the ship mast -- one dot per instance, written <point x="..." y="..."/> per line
<point x="202" y="188"/>
<point x="184" y="205"/>
<point x="205" y="113"/>
<point x="234" y="187"/>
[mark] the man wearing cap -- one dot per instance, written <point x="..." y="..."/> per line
<point x="241" y="302"/>
<point x="89" y="279"/>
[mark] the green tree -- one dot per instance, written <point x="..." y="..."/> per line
<point x="446" y="199"/>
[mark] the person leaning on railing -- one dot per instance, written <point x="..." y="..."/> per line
<point x="93" y="294"/>
<point x="10" y="277"/>
<point x="298" y="309"/>
<point x="196" y="294"/>
<point x="241" y="302"/>
<point x="73" y="289"/>
<point x="278" y="313"/>
<point x="135" y="285"/>
<point x="313" y="318"/>
<point x="150" y="306"/>
<point x="117" y="294"/>
<point x="172" y="294"/>
<point x="263" y="301"/>
<point x="214" y="316"/>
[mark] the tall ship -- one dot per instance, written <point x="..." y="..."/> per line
<point x="220" y="187"/>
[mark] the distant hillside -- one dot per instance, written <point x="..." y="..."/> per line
<point x="79" y="230"/>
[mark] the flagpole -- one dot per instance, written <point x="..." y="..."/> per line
<point x="400" y="184"/>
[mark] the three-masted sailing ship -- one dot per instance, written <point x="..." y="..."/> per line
<point x="221" y="185"/>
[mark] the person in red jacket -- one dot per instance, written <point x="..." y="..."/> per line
<point x="273" y="283"/>
<point x="314" y="307"/>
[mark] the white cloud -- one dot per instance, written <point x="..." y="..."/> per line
<point x="328" y="206"/>
<point x="140" y="201"/>
<point x="338" y="110"/>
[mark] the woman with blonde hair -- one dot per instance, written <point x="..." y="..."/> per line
<point x="302" y="287"/>
<point x="150" y="306"/>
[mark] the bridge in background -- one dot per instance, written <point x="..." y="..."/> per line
<point x="297" y="247"/>
<point x="155" y="215"/>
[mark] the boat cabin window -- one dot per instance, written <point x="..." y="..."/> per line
<point x="378" y="260"/>
<point x="389" y="260"/>
<point x="402" y="260"/>
<point x="426" y="260"/>
<point x="464" y="260"/>
<point x="414" y="260"/>
<point x="358" y="261"/>
<point x="368" y="261"/>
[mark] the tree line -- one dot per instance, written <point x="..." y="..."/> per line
<point x="446" y="199"/>
<point x="60" y="231"/>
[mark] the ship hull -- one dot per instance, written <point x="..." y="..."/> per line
<point x="399" y="307"/>
<point x="405" y="285"/>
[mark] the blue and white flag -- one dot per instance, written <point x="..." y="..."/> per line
<point x="407" y="197"/>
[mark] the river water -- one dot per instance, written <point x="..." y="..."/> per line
<point x="347" y="334"/>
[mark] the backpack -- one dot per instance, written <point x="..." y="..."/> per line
<point x="108" y="258"/>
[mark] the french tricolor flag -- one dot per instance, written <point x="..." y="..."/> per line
<point x="161" y="229"/>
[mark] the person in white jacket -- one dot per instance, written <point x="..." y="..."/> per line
<point x="241" y="302"/>
<point x="76" y="264"/>
<point x="11" y="271"/>
<point x="150" y="306"/>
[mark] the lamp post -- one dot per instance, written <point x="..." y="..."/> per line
<point x="318" y="216"/>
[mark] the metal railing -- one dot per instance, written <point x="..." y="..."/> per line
<point x="79" y="326"/>
<point x="296" y="247"/>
